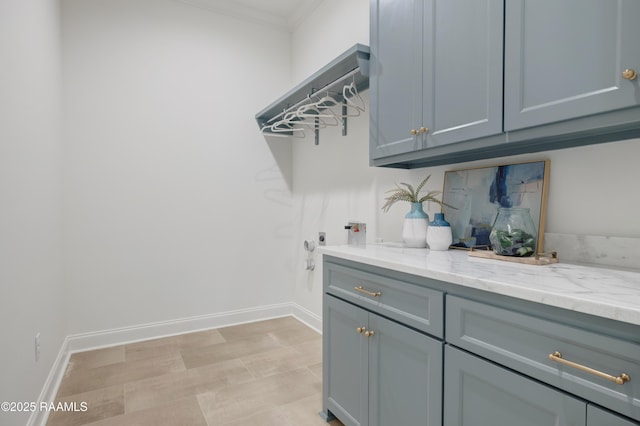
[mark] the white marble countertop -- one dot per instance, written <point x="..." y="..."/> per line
<point x="604" y="292"/>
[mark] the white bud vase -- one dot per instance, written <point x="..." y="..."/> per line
<point x="414" y="229"/>
<point x="439" y="234"/>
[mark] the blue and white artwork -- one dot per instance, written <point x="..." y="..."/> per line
<point x="477" y="194"/>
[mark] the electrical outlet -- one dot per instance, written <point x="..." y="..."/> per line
<point x="37" y="347"/>
<point x="322" y="238"/>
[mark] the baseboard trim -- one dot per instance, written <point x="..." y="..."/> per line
<point x="51" y="385"/>
<point x="120" y="336"/>
<point x="306" y="316"/>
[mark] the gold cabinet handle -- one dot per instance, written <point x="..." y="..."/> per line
<point x="367" y="292"/>
<point x="369" y="333"/>
<point x="423" y="130"/>
<point x="414" y="132"/>
<point x="621" y="379"/>
<point x="361" y="330"/>
<point x="629" y="74"/>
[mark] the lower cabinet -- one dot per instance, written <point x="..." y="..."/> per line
<point x="498" y="361"/>
<point x="598" y="417"/>
<point x="378" y="372"/>
<point x="477" y="392"/>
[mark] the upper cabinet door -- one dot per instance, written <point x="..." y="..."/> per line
<point x="463" y="53"/>
<point x="566" y="59"/>
<point x="436" y="73"/>
<point x="395" y="80"/>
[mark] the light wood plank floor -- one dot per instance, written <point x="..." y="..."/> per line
<point x="263" y="373"/>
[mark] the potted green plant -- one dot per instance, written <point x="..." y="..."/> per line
<point x="416" y="222"/>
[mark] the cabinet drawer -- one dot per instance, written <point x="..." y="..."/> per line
<point x="405" y="302"/>
<point x="524" y="343"/>
<point x="480" y="393"/>
<point x="599" y="417"/>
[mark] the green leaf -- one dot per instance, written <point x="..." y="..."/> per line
<point x="411" y="194"/>
<point x="410" y="188"/>
<point x="419" y="187"/>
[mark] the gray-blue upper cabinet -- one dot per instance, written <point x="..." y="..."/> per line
<point x="462" y="80"/>
<point x="436" y="73"/>
<point x="569" y="58"/>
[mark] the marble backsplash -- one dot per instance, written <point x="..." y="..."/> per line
<point x="614" y="252"/>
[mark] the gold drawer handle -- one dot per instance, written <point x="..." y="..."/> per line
<point x="367" y="292"/>
<point x="621" y="379"/>
<point x="369" y="333"/>
<point x="361" y="330"/>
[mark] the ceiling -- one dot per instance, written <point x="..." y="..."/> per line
<point x="283" y="14"/>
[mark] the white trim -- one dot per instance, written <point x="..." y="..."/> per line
<point x="120" y="336"/>
<point x="51" y="385"/>
<point x="306" y="316"/>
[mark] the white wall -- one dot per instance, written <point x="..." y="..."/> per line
<point x="592" y="188"/>
<point x="175" y="206"/>
<point x="333" y="27"/>
<point x="164" y="200"/>
<point x="30" y="208"/>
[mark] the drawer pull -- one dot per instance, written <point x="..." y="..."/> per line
<point x="361" y="330"/>
<point x="621" y="379"/>
<point x="369" y="333"/>
<point x="367" y="292"/>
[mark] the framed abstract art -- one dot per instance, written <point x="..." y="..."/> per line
<point x="477" y="194"/>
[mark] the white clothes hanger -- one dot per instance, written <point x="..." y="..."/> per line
<point x="279" y="128"/>
<point x="321" y="109"/>
<point x="326" y="102"/>
<point x="302" y="119"/>
<point x="312" y="111"/>
<point x="283" y="126"/>
<point x="353" y="98"/>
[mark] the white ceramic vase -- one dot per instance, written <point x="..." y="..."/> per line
<point x="414" y="229"/>
<point x="439" y="236"/>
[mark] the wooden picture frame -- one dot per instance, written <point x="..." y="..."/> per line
<point x="477" y="194"/>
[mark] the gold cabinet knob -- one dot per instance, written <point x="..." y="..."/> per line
<point x="413" y="132"/>
<point x="360" y="330"/>
<point x="629" y="74"/>
<point x="369" y="333"/>
<point x="423" y="130"/>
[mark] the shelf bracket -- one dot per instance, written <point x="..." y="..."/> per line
<point x="344" y="118"/>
